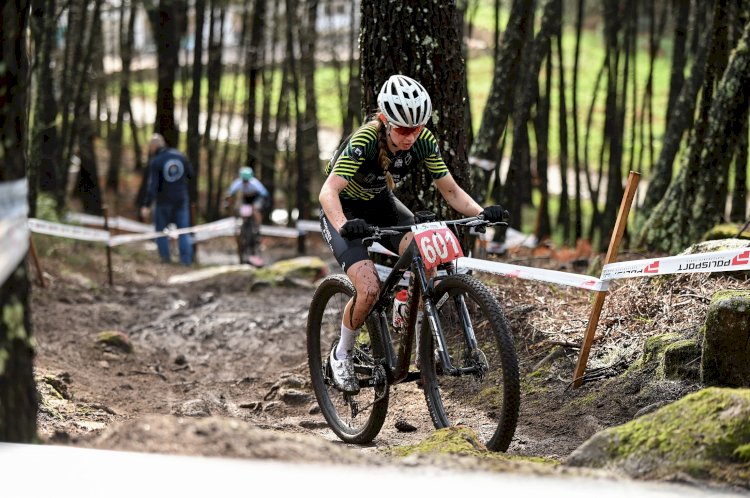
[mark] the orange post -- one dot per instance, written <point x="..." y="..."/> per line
<point x="614" y="245"/>
<point x="32" y="250"/>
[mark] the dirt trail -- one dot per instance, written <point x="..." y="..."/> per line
<point x="228" y="350"/>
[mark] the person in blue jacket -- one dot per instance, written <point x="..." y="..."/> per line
<point x="169" y="172"/>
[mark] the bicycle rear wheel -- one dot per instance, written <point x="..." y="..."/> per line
<point x="247" y="239"/>
<point x="354" y="418"/>
<point x="486" y="396"/>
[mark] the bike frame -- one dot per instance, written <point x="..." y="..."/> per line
<point x="397" y="364"/>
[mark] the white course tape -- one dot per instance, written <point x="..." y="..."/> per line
<point x="308" y="226"/>
<point x="540" y="274"/>
<point x="730" y="260"/>
<point x="14" y="231"/>
<point x="219" y="228"/>
<point x="68" y="231"/>
<point x="128" y="225"/>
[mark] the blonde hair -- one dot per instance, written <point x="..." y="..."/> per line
<point x="383" y="159"/>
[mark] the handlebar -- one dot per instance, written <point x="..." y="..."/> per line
<point x="376" y="233"/>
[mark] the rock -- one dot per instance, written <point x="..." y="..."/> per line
<point x="725" y="231"/>
<point x="404" y="426"/>
<point x="313" y="424"/>
<point x="193" y="408"/>
<point x="726" y="357"/>
<point x="451" y="440"/>
<point x="294" y="397"/>
<point x="649" y="408"/>
<point x="588" y="426"/>
<point x="115" y="339"/>
<point x="180" y="360"/>
<point x="305" y="268"/>
<point x="716" y="245"/>
<point x="314" y="410"/>
<point x="695" y="436"/>
<point x="682" y="360"/>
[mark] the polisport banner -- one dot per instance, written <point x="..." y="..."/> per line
<point x="14" y="230"/>
<point x="540" y="274"/>
<point x="730" y="260"/>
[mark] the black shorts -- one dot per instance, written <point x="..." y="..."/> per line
<point x="383" y="210"/>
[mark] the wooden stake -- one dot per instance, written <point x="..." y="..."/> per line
<point x="109" y="249"/>
<point x="614" y="245"/>
<point x="34" y="257"/>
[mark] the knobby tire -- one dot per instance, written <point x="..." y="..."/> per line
<point x="487" y="403"/>
<point x="323" y="329"/>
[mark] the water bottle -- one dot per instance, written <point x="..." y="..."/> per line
<point x="399" y="309"/>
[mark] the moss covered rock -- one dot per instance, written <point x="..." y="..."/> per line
<point x="682" y="360"/>
<point x="726" y="231"/>
<point x="308" y="268"/>
<point x="703" y="435"/>
<point x="716" y="245"/>
<point x="116" y="340"/>
<point x="726" y="355"/>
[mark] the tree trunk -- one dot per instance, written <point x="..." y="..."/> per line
<point x="253" y="66"/>
<point x="44" y="153"/>
<point x="578" y="228"/>
<point x="738" y="213"/>
<point x="268" y="136"/>
<point x="310" y="152"/>
<point x="432" y="56"/>
<point x="166" y="28"/>
<point x="194" y="104"/>
<point x="501" y="97"/>
<point x="695" y="201"/>
<point x="18" y="401"/>
<point x="127" y="41"/>
<point x="542" y="229"/>
<point x="679" y="53"/>
<point x="679" y="122"/>
<point x="214" y="75"/>
<point x="517" y="184"/>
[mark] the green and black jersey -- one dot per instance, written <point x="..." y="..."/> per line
<point x="357" y="162"/>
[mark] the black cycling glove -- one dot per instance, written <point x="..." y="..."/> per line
<point x="495" y="213"/>
<point x="354" y="228"/>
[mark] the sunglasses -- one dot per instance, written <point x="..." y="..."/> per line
<point x="406" y="131"/>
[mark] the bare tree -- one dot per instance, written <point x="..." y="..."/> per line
<point x="18" y="401"/>
<point x="44" y="153"/>
<point x="695" y="200"/>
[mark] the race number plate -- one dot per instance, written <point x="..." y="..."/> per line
<point x="246" y="210"/>
<point x="436" y="243"/>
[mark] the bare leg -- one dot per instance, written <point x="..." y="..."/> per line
<point x="366" y="282"/>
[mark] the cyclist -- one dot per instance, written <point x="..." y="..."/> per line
<point x="250" y="191"/>
<point x="358" y="192"/>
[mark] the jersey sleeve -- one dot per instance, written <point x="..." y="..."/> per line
<point x="360" y="146"/>
<point x="427" y="147"/>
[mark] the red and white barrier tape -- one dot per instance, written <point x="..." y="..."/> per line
<point x="729" y="260"/>
<point x="14" y="230"/>
<point x="539" y="274"/>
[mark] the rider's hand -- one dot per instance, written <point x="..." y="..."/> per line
<point x="495" y="213"/>
<point x="354" y="228"/>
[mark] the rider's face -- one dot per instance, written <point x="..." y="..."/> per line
<point x="404" y="138"/>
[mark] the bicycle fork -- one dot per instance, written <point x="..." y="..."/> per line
<point x="477" y="367"/>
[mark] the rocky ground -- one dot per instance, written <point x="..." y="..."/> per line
<point x="216" y="365"/>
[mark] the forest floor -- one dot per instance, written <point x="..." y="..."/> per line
<point x="219" y="366"/>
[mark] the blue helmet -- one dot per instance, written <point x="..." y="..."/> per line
<point x="246" y="173"/>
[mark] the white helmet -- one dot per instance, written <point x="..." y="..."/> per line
<point x="404" y="101"/>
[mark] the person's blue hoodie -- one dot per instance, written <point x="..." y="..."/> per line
<point x="169" y="172"/>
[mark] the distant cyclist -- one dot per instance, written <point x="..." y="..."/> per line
<point x="249" y="197"/>
<point x="250" y="190"/>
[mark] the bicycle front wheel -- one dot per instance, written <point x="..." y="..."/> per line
<point x="484" y="391"/>
<point x="354" y="418"/>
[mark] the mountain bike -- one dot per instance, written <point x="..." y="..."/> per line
<point x="248" y="238"/>
<point x="467" y="361"/>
